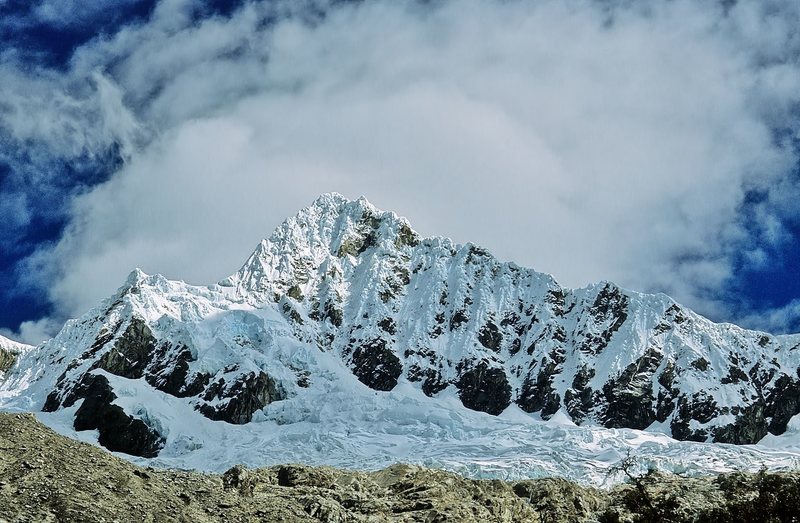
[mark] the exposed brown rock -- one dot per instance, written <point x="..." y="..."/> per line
<point x="47" y="477"/>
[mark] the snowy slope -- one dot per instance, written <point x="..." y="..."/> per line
<point x="9" y="351"/>
<point x="13" y="347"/>
<point x="347" y="339"/>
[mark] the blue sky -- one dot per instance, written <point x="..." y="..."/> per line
<point x="654" y="144"/>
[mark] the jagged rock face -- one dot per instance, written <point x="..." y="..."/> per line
<point x="357" y="283"/>
<point x="7" y="359"/>
<point x="538" y="395"/>
<point x="9" y="351"/>
<point x="132" y="352"/>
<point x="136" y="353"/>
<point x="629" y="397"/>
<point x="118" y="431"/>
<point x="237" y="401"/>
<point x="485" y="389"/>
<point x="782" y="403"/>
<point x="376" y="366"/>
<point x="171" y="372"/>
<point x="580" y="399"/>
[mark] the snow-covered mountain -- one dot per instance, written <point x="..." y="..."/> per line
<point x="9" y="351"/>
<point x="346" y="318"/>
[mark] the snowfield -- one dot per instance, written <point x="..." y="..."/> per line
<point x="345" y="424"/>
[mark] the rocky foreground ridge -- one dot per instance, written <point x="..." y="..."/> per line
<point x="345" y="282"/>
<point x="45" y="477"/>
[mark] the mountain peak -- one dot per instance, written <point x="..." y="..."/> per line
<point x="135" y="277"/>
<point x="333" y="205"/>
<point x="328" y="231"/>
<point x="334" y="201"/>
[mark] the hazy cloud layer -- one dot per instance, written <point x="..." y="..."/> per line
<point x="780" y="319"/>
<point x="592" y="140"/>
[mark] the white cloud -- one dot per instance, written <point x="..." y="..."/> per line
<point x="71" y="13"/>
<point x="59" y="117"/>
<point x="779" y="319"/>
<point x="589" y="140"/>
<point x="34" y="332"/>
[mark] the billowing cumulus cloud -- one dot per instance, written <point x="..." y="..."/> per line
<point x="592" y="140"/>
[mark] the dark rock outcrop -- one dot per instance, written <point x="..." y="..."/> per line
<point x="580" y="399"/>
<point x="782" y="403"/>
<point x="117" y="430"/>
<point x="136" y="354"/>
<point x="131" y="354"/>
<point x="749" y="427"/>
<point x="432" y="381"/>
<point x="459" y="318"/>
<point x="236" y="403"/>
<point x="629" y="397"/>
<point x="490" y="337"/>
<point x="700" y="407"/>
<point x="484" y="388"/>
<point x="7" y="359"/>
<point x="665" y="402"/>
<point x="376" y="366"/>
<point x="609" y="311"/>
<point x="169" y="371"/>
<point x="537" y="393"/>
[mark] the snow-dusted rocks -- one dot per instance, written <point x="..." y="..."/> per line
<point x="344" y="297"/>
<point x="9" y="351"/>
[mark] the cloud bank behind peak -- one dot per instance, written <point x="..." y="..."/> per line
<point x="652" y="144"/>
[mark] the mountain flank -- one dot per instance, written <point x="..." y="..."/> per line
<point x="345" y="302"/>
